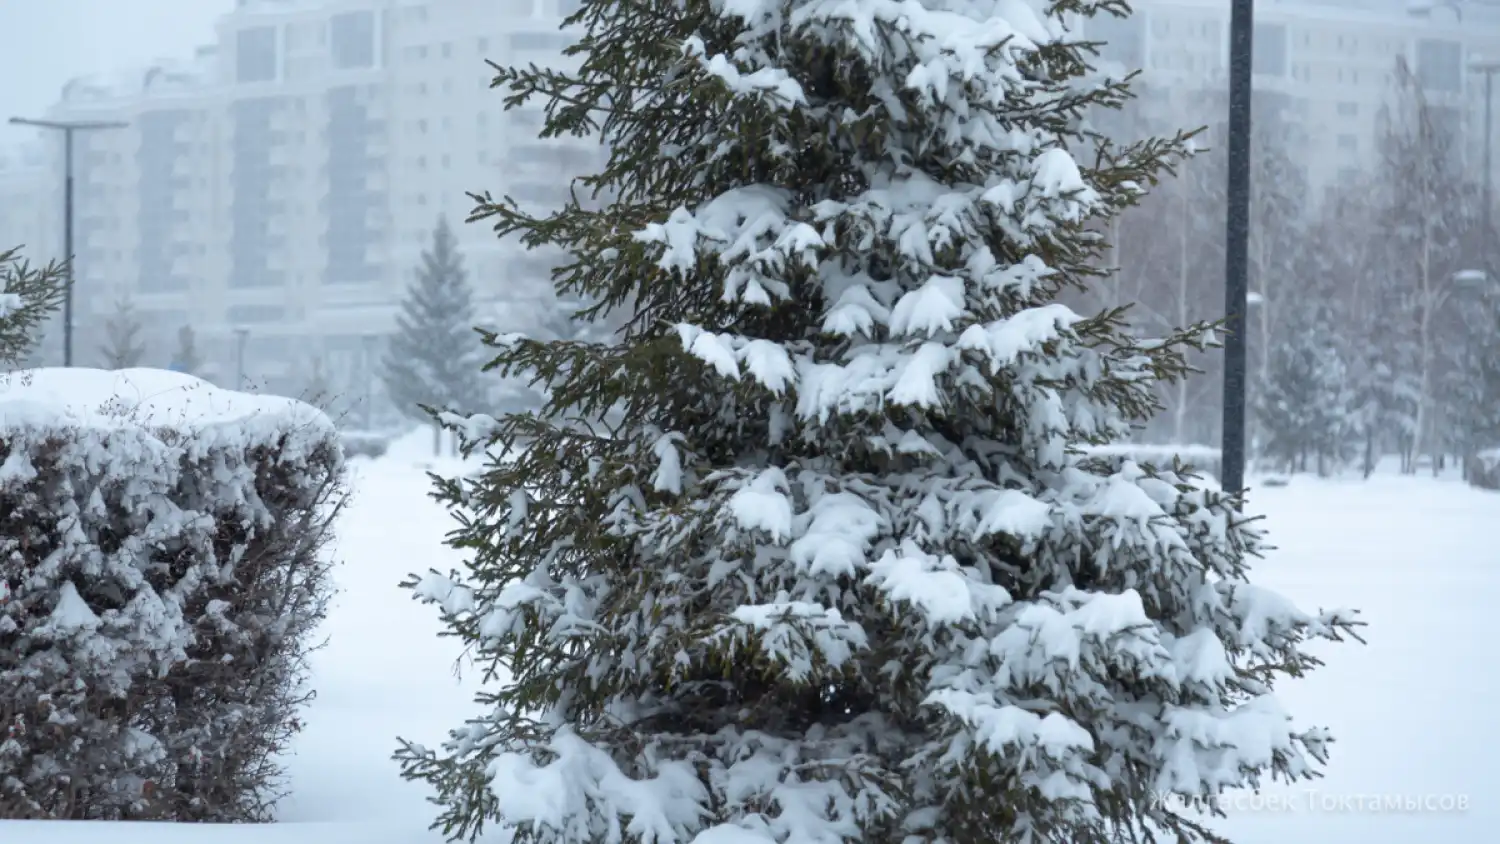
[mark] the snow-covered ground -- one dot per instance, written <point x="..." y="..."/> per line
<point x="1412" y="711"/>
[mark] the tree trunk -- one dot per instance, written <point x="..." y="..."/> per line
<point x="1369" y="466"/>
<point x="437" y="440"/>
<point x="1424" y="345"/>
<point x="1179" y="413"/>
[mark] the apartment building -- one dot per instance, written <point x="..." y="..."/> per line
<point x="28" y="213"/>
<point x="276" y="190"/>
<point x="30" y="218"/>
<point x="1325" y="64"/>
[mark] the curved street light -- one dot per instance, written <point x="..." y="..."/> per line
<point x="68" y="128"/>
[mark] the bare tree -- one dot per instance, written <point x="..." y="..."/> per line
<point x="1427" y="211"/>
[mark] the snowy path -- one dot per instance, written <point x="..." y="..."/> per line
<point x="1411" y="711"/>
<point x="385" y="672"/>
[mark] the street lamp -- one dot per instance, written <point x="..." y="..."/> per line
<point x="1488" y="67"/>
<point x="68" y="128"/>
<point x="370" y="342"/>
<point x="1237" y="243"/>
<point x="240" y="336"/>
<point x="1470" y="279"/>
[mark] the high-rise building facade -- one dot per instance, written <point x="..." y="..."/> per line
<point x="29" y="216"/>
<point x="275" y="192"/>
<point x="1327" y="64"/>
<point x="275" y="189"/>
<point x="31" y="220"/>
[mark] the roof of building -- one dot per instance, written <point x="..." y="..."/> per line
<point x="169" y="77"/>
<point x="163" y="77"/>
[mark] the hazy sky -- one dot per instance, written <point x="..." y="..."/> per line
<point x="44" y="43"/>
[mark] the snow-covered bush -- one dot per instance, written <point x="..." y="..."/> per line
<point x="812" y="552"/>
<point x="1483" y="469"/>
<point x="161" y="572"/>
<point x="371" y="444"/>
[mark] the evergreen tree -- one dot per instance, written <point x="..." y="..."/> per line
<point x="1305" y="405"/>
<point x="28" y="297"/>
<point x="434" y="357"/>
<point x="837" y="571"/>
<point x="1471" y="386"/>
<point x="123" y="347"/>
<point x="186" y="357"/>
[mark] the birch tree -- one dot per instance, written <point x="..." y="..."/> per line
<point x="1427" y="211"/>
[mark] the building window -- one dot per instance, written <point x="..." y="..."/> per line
<point x="1440" y="65"/>
<point x="1124" y="39"/>
<point x="352" y="37"/>
<point x="1348" y="109"/>
<point x="549" y="195"/>
<point x="255" y="54"/>
<point x="565" y="160"/>
<point x="1270" y="49"/>
<point x="245" y="314"/>
<point x="1348" y="143"/>
<point x="534" y="42"/>
<point x="1274" y="106"/>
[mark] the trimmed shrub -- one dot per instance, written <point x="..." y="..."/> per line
<point x="365" y="444"/>
<point x="1483" y="470"/>
<point x="162" y="574"/>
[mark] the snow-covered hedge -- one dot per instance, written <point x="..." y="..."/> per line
<point x="369" y="444"/>
<point x="162" y="570"/>
<point x="1484" y="469"/>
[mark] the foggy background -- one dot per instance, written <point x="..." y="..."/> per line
<point x="44" y="43"/>
<point x="265" y="218"/>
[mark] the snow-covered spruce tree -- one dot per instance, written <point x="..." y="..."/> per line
<point x="435" y="356"/>
<point x="837" y="572"/>
<point x="1305" y="405"/>
<point x="123" y="347"/>
<point x="28" y="296"/>
<point x="1471" y="380"/>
